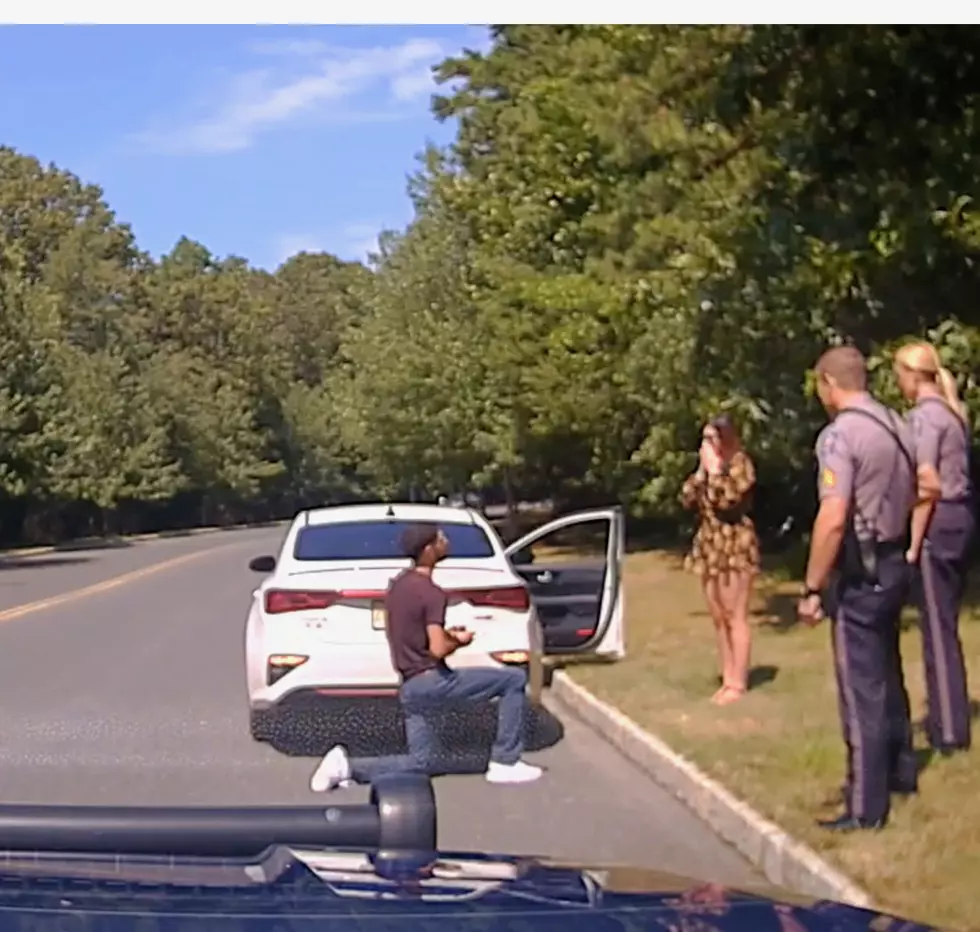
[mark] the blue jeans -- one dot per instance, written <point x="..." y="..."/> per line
<point x="437" y="690"/>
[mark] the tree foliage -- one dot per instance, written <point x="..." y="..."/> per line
<point x="635" y="227"/>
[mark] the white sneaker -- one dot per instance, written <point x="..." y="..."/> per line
<point x="333" y="771"/>
<point x="520" y="772"/>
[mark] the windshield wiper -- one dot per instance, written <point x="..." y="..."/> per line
<point x="400" y="817"/>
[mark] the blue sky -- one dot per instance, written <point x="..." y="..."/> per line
<point x="255" y="141"/>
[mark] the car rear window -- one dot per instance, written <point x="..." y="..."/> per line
<point x="381" y="540"/>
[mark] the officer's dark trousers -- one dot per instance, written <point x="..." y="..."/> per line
<point x="874" y="706"/>
<point x="939" y="594"/>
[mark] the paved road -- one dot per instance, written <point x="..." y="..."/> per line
<point x="133" y="692"/>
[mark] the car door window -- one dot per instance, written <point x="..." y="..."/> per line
<point x="570" y="544"/>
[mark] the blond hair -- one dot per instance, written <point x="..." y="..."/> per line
<point x="923" y="358"/>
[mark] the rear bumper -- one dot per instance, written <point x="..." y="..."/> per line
<point x="355" y="671"/>
<point x="306" y="696"/>
<point x="311" y="697"/>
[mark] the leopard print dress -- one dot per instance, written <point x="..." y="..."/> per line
<point x="726" y="541"/>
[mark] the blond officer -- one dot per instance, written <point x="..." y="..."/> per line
<point x="942" y="534"/>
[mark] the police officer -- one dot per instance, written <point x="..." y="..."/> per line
<point x="857" y="573"/>
<point x="942" y="531"/>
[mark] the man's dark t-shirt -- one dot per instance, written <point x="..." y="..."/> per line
<point x="413" y="601"/>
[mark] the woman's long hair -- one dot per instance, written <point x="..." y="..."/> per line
<point x="923" y="359"/>
<point x="727" y="434"/>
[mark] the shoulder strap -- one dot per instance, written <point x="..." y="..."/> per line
<point x="900" y="448"/>
<point x="890" y="429"/>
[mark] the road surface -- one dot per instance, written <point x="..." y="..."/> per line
<point x="121" y="682"/>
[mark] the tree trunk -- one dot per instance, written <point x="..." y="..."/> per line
<point x="510" y="522"/>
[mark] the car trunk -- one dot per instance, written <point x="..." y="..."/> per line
<point x="345" y="605"/>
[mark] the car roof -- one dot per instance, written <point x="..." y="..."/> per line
<point x="387" y="511"/>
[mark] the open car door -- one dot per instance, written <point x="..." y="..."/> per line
<point x="579" y="600"/>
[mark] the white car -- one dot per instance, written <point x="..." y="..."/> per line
<point x="316" y="623"/>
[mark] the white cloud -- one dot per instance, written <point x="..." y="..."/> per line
<point x="291" y="244"/>
<point x="413" y="85"/>
<point x="306" y="80"/>
<point x="353" y="242"/>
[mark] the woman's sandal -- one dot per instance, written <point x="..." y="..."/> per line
<point x="728" y="694"/>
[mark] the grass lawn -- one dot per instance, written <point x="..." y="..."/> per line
<point x="780" y="749"/>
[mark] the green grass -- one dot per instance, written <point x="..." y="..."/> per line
<point x="780" y="747"/>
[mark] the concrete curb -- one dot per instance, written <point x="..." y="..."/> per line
<point x="783" y="861"/>
<point x="82" y="542"/>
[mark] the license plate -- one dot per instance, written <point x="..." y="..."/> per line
<point x="378" y="616"/>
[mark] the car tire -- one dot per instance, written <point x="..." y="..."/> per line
<point x="260" y="724"/>
<point x="548" y="676"/>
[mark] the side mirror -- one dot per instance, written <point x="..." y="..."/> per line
<point x="262" y="564"/>
<point x="522" y="557"/>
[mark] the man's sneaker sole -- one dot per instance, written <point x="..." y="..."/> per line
<point x="523" y="776"/>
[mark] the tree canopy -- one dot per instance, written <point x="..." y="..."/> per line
<point x="635" y="227"/>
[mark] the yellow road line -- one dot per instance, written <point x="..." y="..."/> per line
<point x="28" y="608"/>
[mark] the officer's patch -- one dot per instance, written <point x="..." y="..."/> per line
<point x="827" y="477"/>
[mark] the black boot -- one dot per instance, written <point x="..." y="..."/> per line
<point x="848" y="823"/>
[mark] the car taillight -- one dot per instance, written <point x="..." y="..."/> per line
<point x="278" y="601"/>
<point x="515" y="598"/>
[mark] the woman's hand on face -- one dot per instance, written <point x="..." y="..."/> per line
<point x="710" y="461"/>
<point x="704" y="451"/>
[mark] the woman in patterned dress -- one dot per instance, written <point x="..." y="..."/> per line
<point x="725" y="552"/>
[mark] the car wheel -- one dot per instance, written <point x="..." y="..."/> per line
<point x="548" y="676"/>
<point x="260" y="724"/>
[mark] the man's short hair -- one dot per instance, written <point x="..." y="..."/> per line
<point x="847" y="366"/>
<point x="416" y="537"/>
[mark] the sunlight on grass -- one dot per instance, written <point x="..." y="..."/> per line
<point x="780" y="747"/>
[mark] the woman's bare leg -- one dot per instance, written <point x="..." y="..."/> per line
<point x="736" y="598"/>
<point x="712" y="595"/>
<point x="742" y="626"/>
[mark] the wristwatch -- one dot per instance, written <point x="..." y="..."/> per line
<point x="807" y="591"/>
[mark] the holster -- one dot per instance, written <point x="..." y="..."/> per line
<point x="857" y="561"/>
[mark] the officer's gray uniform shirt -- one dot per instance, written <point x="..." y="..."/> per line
<point x="860" y="461"/>
<point x="941" y="440"/>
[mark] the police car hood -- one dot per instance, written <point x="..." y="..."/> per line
<point x="299" y="890"/>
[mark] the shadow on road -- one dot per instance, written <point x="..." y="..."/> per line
<point x="117" y="543"/>
<point x="40" y="562"/>
<point x="75" y="546"/>
<point x="229" y="529"/>
<point x="380" y="730"/>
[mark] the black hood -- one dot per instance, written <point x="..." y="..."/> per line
<point x="294" y="890"/>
